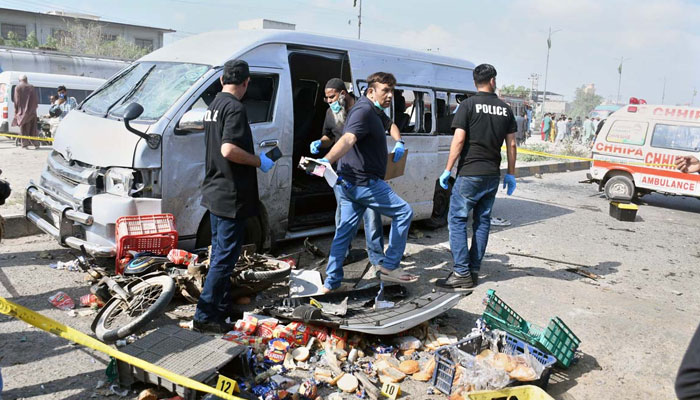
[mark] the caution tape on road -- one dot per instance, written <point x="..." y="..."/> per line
<point x="49" y="325"/>
<point x="26" y="137"/>
<point x="565" y="157"/>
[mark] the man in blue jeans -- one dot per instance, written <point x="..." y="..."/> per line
<point x="340" y="102"/>
<point x="362" y="156"/>
<point x="481" y="124"/>
<point x="229" y="192"/>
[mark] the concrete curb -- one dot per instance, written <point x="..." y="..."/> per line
<point x="18" y="226"/>
<point x="530" y="170"/>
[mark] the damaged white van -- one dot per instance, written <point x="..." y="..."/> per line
<point x="104" y="165"/>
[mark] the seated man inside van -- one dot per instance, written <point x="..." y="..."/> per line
<point x="340" y="102"/>
<point x="65" y="102"/>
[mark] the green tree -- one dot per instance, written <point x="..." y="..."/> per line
<point x="2" y="41"/>
<point x="12" y="40"/>
<point x="88" y="39"/>
<point x="511" y="90"/>
<point x="51" y="43"/>
<point x="584" y="102"/>
<point x="31" y="42"/>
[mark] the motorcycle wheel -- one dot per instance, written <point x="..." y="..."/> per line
<point x="279" y="273"/>
<point x="119" y="319"/>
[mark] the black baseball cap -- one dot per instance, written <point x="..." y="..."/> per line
<point x="235" y="72"/>
<point x="337" y="84"/>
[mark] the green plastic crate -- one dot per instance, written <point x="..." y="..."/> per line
<point x="557" y="339"/>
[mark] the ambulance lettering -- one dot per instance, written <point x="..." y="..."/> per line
<point x="614" y="149"/>
<point x="660" y="158"/>
<point x="677" y="113"/>
<point x="669" y="183"/>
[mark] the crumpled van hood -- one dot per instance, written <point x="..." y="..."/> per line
<point x="100" y="142"/>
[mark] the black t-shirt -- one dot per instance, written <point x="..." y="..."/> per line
<point x="487" y="120"/>
<point x="229" y="189"/>
<point x="367" y="158"/>
<point x="688" y="379"/>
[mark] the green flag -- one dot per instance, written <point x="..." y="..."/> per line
<point x="619" y="69"/>
<point x="549" y="42"/>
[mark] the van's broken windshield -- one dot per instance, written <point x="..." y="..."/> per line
<point x="156" y="86"/>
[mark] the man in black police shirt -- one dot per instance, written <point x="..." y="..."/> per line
<point x="481" y="124"/>
<point x="229" y="191"/>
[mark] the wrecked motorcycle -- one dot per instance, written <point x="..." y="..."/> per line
<point x="149" y="283"/>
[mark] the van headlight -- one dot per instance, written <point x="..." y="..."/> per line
<point x="119" y="181"/>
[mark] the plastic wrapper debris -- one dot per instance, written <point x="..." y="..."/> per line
<point x="62" y="301"/>
<point x="276" y="351"/>
<point x="478" y="375"/>
<point x="247" y="325"/>
<point x="182" y="257"/>
<point x="90" y="300"/>
<point x="68" y="265"/>
<point x="407" y="343"/>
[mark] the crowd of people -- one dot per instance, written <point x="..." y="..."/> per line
<point x="557" y="128"/>
<point x="26" y="103"/>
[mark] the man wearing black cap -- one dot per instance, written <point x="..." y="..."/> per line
<point x="340" y="102"/>
<point x="229" y="191"/>
<point x="481" y="125"/>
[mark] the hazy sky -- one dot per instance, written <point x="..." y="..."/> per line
<point x="661" y="38"/>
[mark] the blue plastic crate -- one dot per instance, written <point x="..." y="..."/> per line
<point x="445" y="368"/>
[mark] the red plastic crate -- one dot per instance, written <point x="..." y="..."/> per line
<point x="155" y="233"/>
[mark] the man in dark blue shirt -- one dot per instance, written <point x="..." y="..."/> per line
<point x="362" y="154"/>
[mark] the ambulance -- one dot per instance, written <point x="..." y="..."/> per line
<point x="634" y="152"/>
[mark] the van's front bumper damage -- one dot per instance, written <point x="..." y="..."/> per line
<point x="65" y="204"/>
<point x="62" y="222"/>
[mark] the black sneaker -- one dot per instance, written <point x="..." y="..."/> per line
<point x="456" y="282"/>
<point x="211" y="327"/>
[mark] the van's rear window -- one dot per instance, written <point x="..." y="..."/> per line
<point x="156" y="86"/>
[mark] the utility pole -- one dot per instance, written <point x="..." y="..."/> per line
<point x="534" y="78"/>
<point x="619" y="80"/>
<point x="663" y="93"/>
<point x="546" y="69"/>
<point x="359" y="18"/>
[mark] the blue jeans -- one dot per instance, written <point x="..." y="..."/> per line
<point x="374" y="234"/>
<point x="226" y="242"/>
<point x="471" y="193"/>
<point x="354" y="200"/>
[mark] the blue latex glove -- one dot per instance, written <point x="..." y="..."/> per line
<point x="324" y="160"/>
<point x="315" y="146"/>
<point x="398" y="151"/>
<point x="509" y="180"/>
<point x="265" y="163"/>
<point x="444" y="179"/>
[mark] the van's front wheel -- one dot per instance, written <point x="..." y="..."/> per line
<point x="619" y="187"/>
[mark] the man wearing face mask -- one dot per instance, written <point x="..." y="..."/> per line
<point x="340" y="102"/>
<point x="480" y="126"/>
<point x="65" y="103"/>
<point x="361" y="154"/>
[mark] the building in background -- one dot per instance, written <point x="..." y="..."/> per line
<point x="262" y="23"/>
<point x="55" y="24"/>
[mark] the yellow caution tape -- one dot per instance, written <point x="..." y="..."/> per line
<point x="51" y="326"/>
<point x="26" y="137"/>
<point x="564" y="157"/>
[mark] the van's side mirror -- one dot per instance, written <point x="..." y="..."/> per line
<point x="133" y="111"/>
<point x="192" y="121"/>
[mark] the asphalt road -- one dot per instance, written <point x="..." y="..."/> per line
<point x="634" y="322"/>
